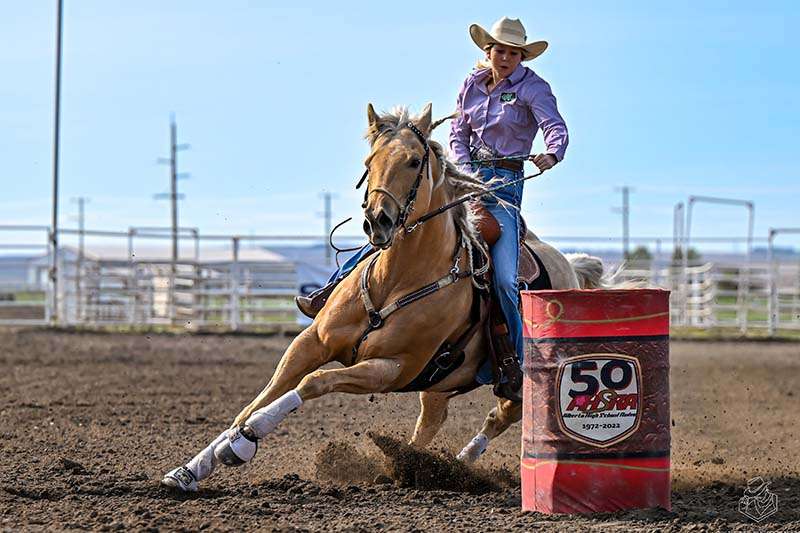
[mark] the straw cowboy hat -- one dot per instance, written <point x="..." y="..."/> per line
<point x="509" y="32"/>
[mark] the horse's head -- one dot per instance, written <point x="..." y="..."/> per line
<point x="398" y="170"/>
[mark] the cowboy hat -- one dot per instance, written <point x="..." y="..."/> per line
<point x="509" y="32"/>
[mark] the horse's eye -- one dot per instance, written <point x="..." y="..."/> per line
<point x="414" y="163"/>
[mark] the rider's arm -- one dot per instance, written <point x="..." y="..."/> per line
<point x="545" y="111"/>
<point x="460" y="130"/>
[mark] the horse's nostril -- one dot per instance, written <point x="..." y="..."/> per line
<point x="384" y="221"/>
<point x="367" y="227"/>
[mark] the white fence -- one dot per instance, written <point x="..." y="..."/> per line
<point x="717" y="295"/>
<point x="233" y="289"/>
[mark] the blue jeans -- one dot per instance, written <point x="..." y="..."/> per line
<point x="505" y="258"/>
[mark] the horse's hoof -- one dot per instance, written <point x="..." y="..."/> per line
<point x="180" y="478"/>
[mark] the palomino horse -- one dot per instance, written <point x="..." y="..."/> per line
<point x="407" y="174"/>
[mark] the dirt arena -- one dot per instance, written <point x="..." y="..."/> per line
<point x="90" y="422"/>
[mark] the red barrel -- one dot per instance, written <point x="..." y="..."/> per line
<point x="595" y="422"/>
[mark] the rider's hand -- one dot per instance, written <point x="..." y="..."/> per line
<point x="543" y="161"/>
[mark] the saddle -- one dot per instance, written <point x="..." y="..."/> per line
<point x="530" y="267"/>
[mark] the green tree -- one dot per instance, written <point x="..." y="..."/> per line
<point x="640" y="253"/>
<point x="694" y="255"/>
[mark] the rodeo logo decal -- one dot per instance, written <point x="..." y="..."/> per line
<point x="600" y="398"/>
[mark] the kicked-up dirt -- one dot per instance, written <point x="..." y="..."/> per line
<point x="90" y="422"/>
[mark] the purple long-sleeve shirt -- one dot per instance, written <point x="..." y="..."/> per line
<point x="507" y="119"/>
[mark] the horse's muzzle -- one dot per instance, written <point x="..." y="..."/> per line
<point x="379" y="228"/>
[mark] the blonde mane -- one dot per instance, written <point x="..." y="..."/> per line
<point x="456" y="182"/>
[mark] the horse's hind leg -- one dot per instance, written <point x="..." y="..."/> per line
<point x="497" y="421"/>
<point x="304" y="355"/>
<point x="432" y="414"/>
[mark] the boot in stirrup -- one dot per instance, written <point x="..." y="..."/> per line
<point x="509" y="384"/>
<point x="312" y="304"/>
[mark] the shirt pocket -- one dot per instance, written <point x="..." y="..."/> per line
<point x="513" y="113"/>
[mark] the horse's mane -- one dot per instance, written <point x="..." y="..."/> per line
<point x="456" y="182"/>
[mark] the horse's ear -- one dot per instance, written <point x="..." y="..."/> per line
<point x="372" y="116"/>
<point x="424" y="120"/>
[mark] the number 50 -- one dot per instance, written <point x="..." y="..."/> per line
<point x="606" y="377"/>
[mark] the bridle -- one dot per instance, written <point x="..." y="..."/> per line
<point x="411" y="197"/>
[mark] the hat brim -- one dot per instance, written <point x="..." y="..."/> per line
<point x="483" y="39"/>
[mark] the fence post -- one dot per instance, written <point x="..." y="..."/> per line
<point x="772" y="304"/>
<point x="743" y="292"/>
<point x="235" y="286"/>
<point x="132" y="279"/>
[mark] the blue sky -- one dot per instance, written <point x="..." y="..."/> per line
<point x="671" y="98"/>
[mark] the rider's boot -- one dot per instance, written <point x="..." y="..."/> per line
<point x="509" y="384"/>
<point x="312" y="304"/>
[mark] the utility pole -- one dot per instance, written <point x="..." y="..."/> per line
<point x="625" y="210"/>
<point x="327" y="215"/>
<point x="173" y="195"/>
<point x="56" y="146"/>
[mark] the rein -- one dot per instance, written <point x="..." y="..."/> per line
<point x="467" y="197"/>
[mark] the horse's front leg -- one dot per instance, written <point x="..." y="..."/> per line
<point x="373" y="375"/>
<point x="305" y="354"/>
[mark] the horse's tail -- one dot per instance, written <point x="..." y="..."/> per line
<point x="590" y="272"/>
<point x="588" y="269"/>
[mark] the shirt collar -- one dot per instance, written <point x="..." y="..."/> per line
<point x="513" y="79"/>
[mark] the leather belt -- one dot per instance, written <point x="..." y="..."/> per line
<point x="508" y="164"/>
<point x="514" y="165"/>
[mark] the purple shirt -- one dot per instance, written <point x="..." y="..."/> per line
<point x="507" y="119"/>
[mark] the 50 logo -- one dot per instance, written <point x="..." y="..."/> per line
<point x="603" y="390"/>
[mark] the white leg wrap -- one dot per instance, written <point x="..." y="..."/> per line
<point x="266" y="419"/>
<point x="474" y="449"/>
<point x="204" y="463"/>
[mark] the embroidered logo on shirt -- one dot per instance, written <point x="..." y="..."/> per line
<point x="508" y="97"/>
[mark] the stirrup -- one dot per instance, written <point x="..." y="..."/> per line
<point x="511" y="389"/>
<point x="504" y="390"/>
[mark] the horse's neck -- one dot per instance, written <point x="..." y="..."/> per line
<point x="420" y="257"/>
